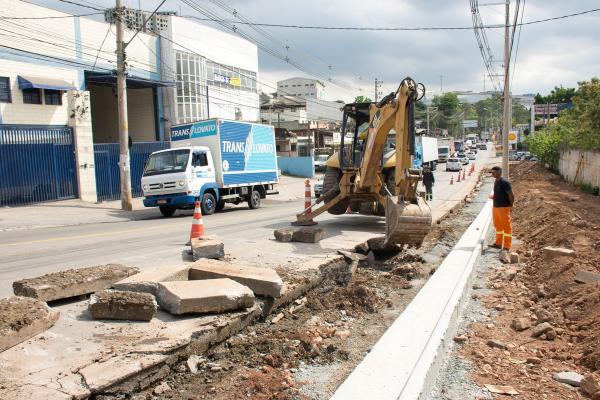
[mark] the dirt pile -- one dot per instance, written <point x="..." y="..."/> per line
<point x="550" y="212"/>
<point x="540" y="320"/>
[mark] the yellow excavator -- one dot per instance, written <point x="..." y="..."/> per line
<point x="372" y="174"/>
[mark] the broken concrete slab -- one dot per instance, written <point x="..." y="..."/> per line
<point x="568" y="377"/>
<point x="22" y="318"/>
<point x="147" y="281"/>
<point x="118" y="304"/>
<point x="308" y="235"/>
<point x="207" y="247"/>
<point x="351" y="256"/>
<point x="262" y="281"/>
<point x="72" y="282"/>
<point x="587" y="277"/>
<point x="515" y="258"/>
<point x="284" y="234"/>
<point x="102" y="375"/>
<point x="207" y="296"/>
<point x="73" y="385"/>
<point x="551" y="253"/>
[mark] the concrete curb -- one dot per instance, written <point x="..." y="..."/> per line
<point x="404" y="362"/>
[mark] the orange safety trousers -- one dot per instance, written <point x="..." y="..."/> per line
<point x="503" y="225"/>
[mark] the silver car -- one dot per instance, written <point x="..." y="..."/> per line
<point x="318" y="188"/>
<point x="453" y="164"/>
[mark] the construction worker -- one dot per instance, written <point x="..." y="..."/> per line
<point x="503" y="202"/>
<point x="428" y="181"/>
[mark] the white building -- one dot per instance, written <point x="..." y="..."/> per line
<point x="301" y="87"/>
<point x="57" y="74"/>
<point x="216" y="74"/>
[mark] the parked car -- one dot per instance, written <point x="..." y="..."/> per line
<point x="453" y="164"/>
<point x="320" y="162"/>
<point x="463" y="158"/>
<point x="471" y="155"/>
<point x="473" y="149"/>
<point x="514" y="157"/>
<point x="318" y="188"/>
<point x="482" y="146"/>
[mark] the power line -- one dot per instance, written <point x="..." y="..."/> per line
<point x="55" y="17"/>
<point x="517" y="48"/>
<point x="83" y="5"/>
<point x="429" y="28"/>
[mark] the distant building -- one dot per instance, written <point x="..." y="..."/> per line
<point x="301" y="87"/>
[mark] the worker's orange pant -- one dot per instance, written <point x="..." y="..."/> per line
<point x="503" y="225"/>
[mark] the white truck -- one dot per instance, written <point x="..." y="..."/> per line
<point x="426" y="152"/>
<point x="217" y="161"/>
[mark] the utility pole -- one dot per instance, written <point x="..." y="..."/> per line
<point x="442" y="84"/>
<point x="378" y="84"/>
<point x="506" y="116"/>
<point x="124" y="167"/>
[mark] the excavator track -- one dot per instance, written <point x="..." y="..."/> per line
<point x="405" y="222"/>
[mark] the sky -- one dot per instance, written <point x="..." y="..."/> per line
<point x="561" y="52"/>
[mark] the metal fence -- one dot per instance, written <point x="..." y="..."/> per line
<point x="37" y="164"/>
<point x="108" y="179"/>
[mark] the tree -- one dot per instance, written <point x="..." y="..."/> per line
<point x="520" y="115"/>
<point x="362" y="99"/>
<point x="447" y="116"/>
<point x="557" y="95"/>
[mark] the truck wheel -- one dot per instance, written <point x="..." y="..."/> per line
<point x="209" y="204"/>
<point x="254" y="200"/>
<point x="220" y="205"/>
<point x="167" y="211"/>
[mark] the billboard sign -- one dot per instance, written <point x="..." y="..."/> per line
<point x="512" y="137"/>
<point x="469" y="123"/>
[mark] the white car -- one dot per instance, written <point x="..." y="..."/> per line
<point x="453" y="164"/>
<point x="463" y="158"/>
<point x="471" y="155"/>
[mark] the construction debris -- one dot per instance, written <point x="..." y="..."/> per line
<point x="147" y="280"/>
<point x="207" y="247"/>
<point x="262" y="281"/>
<point x="207" y="296"/>
<point x="550" y="253"/>
<point x="116" y="304"/>
<point x="308" y="235"/>
<point x="72" y="282"/>
<point x="22" y="318"/>
<point x="501" y="389"/>
<point x="284" y="234"/>
<point x="591" y="384"/>
<point x="568" y="377"/>
<point x="587" y="277"/>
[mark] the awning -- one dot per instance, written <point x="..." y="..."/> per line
<point x="133" y="82"/>
<point x="29" y="82"/>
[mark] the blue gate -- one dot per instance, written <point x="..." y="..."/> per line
<point x="37" y="163"/>
<point x="106" y="160"/>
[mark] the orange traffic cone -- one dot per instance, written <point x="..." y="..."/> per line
<point x="463" y="174"/>
<point x="451" y="180"/>
<point x="458" y="179"/>
<point x="197" y="224"/>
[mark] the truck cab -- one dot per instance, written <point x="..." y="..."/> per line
<point x="174" y="178"/>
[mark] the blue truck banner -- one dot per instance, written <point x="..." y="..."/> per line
<point x="247" y="150"/>
<point x="195" y="130"/>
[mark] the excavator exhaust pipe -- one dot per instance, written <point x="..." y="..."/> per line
<point x="406" y="223"/>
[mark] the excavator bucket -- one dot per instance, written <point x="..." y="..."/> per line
<point x="405" y="222"/>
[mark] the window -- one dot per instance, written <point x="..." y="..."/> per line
<point x="293" y="147"/>
<point x="200" y="160"/>
<point x="32" y="96"/>
<point x="53" y="97"/>
<point x="5" y="90"/>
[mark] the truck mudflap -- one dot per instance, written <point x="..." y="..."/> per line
<point x="177" y="200"/>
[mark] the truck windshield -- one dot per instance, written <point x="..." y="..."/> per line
<point x="167" y="162"/>
<point x="443" y="150"/>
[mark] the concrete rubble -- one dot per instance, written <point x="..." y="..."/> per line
<point x="308" y="235"/>
<point x="591" y="384"/>
<point x="72" y="282"/>
<point x="117" y="304"/>
<point x="147" y="281"/>
<point x="284" y="234"/>
<point x="262" y="281"/>
<point x="550" y="253"/>
<point x="207" y="247"/>
<point x="206" y="296"/>
<point x="587" y="277"/>
<point x="568" y="377"/>
<point x="22" y="318"/>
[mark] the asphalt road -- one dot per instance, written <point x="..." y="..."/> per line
<point x="156" y="241"/>
<point x="146" y="243"/>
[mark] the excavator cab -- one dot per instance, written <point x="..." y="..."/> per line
<point x="371" y="173"/>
